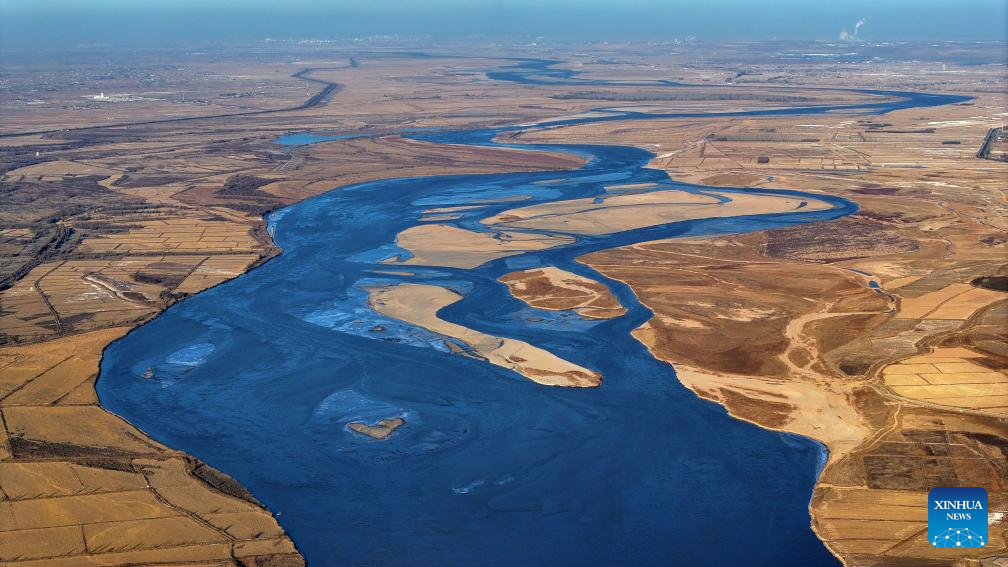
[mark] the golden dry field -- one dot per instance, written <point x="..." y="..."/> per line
<point x="83" y="487"/>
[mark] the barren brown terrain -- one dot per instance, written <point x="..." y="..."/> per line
<point x="553" y="288"/>
<point x="380" y="430"/>
<point x="111" y="211"/>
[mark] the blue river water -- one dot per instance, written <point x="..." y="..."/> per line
<point x="260" y="375"/>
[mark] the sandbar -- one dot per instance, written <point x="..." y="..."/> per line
<point x="380" y="430"/>
<point x="446" y="245"/>
<point x="627" y="212"/>
<point x="551" y="288"/>
<point x="419" y="303"/>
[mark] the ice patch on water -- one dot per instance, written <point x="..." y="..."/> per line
<point x="168" y="371"/>
<point x="533" y="318"/>
<point x="345" y="406"/>
<point x="381" y="254"/>
<point x="193" y="355"/>
<point x="354" y="316"/>
<point x="273" y="219"/>
<point x="486" y="193"/>
<point x="461" y="287"/>
<point x="469" y="487"/>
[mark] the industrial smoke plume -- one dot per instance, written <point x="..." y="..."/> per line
<point x="847" y="36"/>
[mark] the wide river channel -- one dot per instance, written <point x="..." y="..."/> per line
<point x="259" y="377"/>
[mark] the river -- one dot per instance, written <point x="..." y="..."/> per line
<point x="259" y="376"/>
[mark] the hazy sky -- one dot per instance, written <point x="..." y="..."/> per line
<point x="67" y="22"/>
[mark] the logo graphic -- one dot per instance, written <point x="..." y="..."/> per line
<point x="957" y="517"/>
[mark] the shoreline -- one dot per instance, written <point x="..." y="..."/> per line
<point x="684" y="368"/>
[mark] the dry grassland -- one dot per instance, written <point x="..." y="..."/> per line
<point x="951" y="377"/>
<point x="560" y="290"/>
